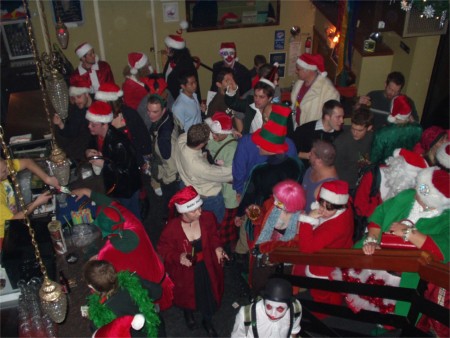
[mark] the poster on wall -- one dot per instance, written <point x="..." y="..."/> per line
<point x="70" y="12"/>
<point x="279" y="58"/>
<point x="295" y="48"/>
<point x="279" y="40"/>
<point x="170" y="12"/>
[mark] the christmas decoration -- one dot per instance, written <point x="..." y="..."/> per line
<point x="428" y="9"/>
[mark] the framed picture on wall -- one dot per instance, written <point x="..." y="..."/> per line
<point x="17" y="42"/>
<point x="70" y="12"/>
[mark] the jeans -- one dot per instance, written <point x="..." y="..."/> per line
<point x="216" y="205"/>
<point x="132" y="204"/>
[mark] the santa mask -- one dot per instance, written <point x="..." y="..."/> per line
<point x="228" y="55"/>
<point x="275" y="310"/>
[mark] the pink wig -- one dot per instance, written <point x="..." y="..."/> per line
<point x="291" y="194"/>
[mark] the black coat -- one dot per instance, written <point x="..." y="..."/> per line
<point x="121" y="168"/>
<point x="241" y="76"/>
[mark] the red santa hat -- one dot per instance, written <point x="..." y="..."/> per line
<point x="227" y="47"/>
<point x="400" y="109"/>
<point x="270" y="79"/>
<point x="108" y="92"/>
<point x="272" y="136"/>
<point x="312" y="62"/>
<point x="433" y="188"/>
<point x="79" y="86"/>
<point x="220" y="123"/>
<point x="175" y="41"/>
<point x="120" y="327"/>
<point x="414" y="162"/>
<point x="82" y="49"/>
<point x="136" y="61"/>
<point x="443" y="155"/>
<point x="335" y="192"/>
<point x="99" y="111"/>
<point x="185" y="200"/>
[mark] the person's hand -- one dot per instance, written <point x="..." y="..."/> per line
<point x="184" y="260"/>
<point x="58" y="121"/>
<point x="81" y="192"/>
<point x="365" y="100"/>
<point x="236" y="134"/>
<point x="42" y="199"/>
<point x="53" y="181"/>
<point x="315" y="213"/>
<point x="370" y="245"/>
<point x="238" y="221"/>
<point x="221" y="255"/>
<point x="203" y="107"/>
<point x="398" y="229"/>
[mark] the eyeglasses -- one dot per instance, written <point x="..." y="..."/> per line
<point x="328" y="206"/>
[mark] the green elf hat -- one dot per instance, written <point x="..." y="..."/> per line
<point x="272" y="136"/>
<point x="110" y="221"/>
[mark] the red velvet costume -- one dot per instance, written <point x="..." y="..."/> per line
<point x="334" y="233"/>
<point x="133" y="93"/>
<point x="143" y="259"/>
<point x="101" y="69"/>
<point x="365" y="204"/>
<point x="173" y="242"/>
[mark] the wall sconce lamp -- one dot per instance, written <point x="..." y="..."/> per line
<point x="62" y="34"/>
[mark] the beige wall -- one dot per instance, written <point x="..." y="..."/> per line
<point x="127" y="26"/>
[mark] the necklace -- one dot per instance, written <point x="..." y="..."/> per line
<point x="186" y="223"/>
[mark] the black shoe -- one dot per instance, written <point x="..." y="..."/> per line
<point x="209" y="328"/>
<point x="190" y="320"/>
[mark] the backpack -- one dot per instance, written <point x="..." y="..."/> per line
<point x="250" y="316"/>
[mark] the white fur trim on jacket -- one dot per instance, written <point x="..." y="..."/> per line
<point x="307" y="219"/>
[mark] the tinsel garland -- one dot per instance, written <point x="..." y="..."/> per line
<point x="101" y="315"/>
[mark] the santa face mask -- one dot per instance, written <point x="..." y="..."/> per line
<point x="275" y="310"/>
<point x="228" y="55"/>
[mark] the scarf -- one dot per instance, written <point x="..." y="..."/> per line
<point x="269" y="226"/>
<point x="101" y="314"/>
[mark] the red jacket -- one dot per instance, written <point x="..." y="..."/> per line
<point x="335" y="233"/>
<point x="173" y="242"/>
<point x="104" y="74"/>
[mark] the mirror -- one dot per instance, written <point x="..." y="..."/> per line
<point x="204" y="15"/>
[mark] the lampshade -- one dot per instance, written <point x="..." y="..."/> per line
<point x="53" y="300"/>
<point x="62" y="34"/>
<point x="58" y="92"/>
<point x="59" y="165"/>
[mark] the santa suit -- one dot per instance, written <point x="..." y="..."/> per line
<point x="143" y="259"/>
<point x="311" y="105"/>
<point x="316" y="234"/>
<point x="99" y="73"/>
<point x="173" y="243"/>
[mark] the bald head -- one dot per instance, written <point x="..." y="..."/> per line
<point x="324" y="151"/>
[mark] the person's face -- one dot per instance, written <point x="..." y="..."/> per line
<point x="324" y="212"/>
<point x="358" y="132"/>
<point x="275" y="310"/>
<point x="302" y="73"/>
<point x="4" y="172"/>
<point x="190" y="87"/>
<point x="228" y="79"/>
<point x="336" y="119"/>
<point x="192" y="216"/>
<point x="89" y="58"/>
<point x="441" y="141"/>
<point x="392" y="90"/>
<point x="228" y="56"/>
<point x="155" y="111"/>
<point x="261" y="99"/>
<point x="81" y="101"/>
<point x="96" y="128"/>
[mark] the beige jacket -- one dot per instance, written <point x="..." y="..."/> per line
<point x="195" y="170"/>
<point x="320" y="92"/>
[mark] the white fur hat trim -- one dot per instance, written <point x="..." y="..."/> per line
<point x="332" y="197"/>
<point x="192" y="205"/>
<point x="75" y="91"/>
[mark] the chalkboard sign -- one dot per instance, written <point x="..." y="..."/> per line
<point x="70" y="11"/>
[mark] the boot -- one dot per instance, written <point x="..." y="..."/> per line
<point x="207" y="324"/>
<point x="190" y="320"/>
